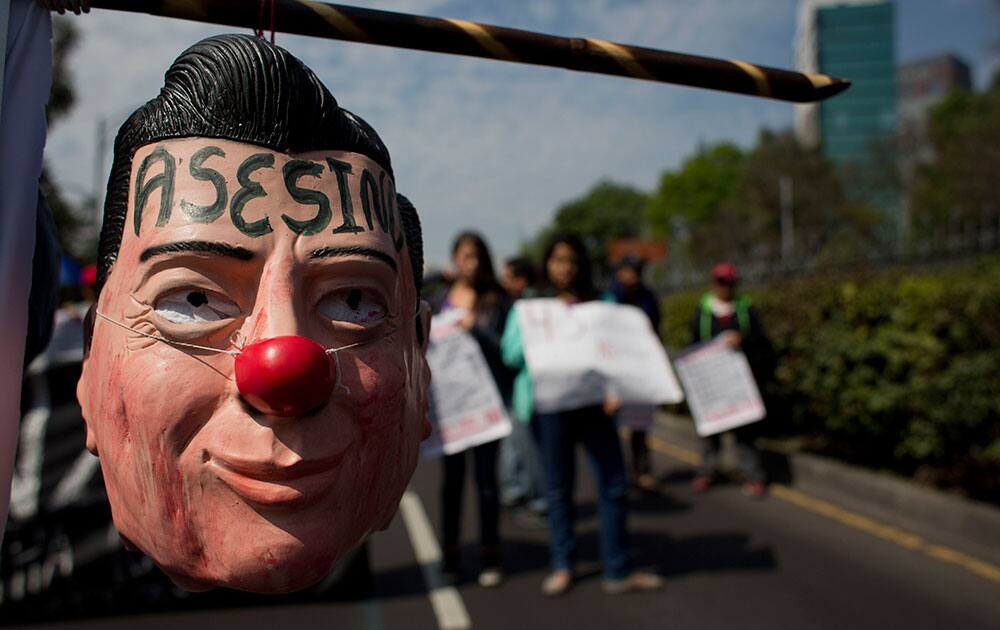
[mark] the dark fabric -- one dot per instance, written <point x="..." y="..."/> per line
<point x="748" y="461"/>
<point x="487" y="332"/>
<point x="647" y="301"/>
<point x="760" y="355"/>
<point x="485" y="461"/>
<point x="641" y="297"/>
<point x="44" y="297"/>
<point x="558" y="434"/>
<point x="640" y="453"/>
<point x="755" y="345"/>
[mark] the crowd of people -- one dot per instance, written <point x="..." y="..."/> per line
<point x="533" y="470"/>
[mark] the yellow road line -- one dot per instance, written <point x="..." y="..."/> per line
<point x="682" y="454"/>
<point x="854" y="520"/>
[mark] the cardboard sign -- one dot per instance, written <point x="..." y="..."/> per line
<point x="466" y="407"/>
<point x="721" y="390"/>
<point x="579" y="354"/>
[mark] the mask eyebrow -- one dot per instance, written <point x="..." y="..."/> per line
<point x="367" y="252"/>
<point x="208" y="247"/>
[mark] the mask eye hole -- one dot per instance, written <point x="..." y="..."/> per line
<point x="194" y="306"/>
<point x="352" y="305"/>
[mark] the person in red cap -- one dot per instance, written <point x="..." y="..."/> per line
<point x="723" y="312"/>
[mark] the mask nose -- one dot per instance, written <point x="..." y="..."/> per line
<point x="284" y="376"/>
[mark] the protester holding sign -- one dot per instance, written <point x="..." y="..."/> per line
<point x="566" y="276"/>
<point x="727" y="315"/>
<point x="522" y="480"/>
<point x="481" y="307"/>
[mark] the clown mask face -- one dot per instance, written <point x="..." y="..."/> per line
<point x="233" y="250"/>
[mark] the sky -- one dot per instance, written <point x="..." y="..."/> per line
<point x="494" y="146"/>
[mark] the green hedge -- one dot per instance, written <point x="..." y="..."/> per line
<point x="891" y="370"/>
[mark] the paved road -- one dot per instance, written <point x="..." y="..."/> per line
<point x="729" y="561"/>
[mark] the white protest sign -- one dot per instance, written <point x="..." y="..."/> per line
<point x="578" y="354"/>
<point x="721" y="391"/>
<point x="466" y="407"/>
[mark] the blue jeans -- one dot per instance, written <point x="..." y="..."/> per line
<point x="522" y="479"/>
<point x="558" y="434"/>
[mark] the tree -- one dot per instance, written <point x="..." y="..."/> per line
<point x="695" y="193"/>
<point x="823" y="219"/>
<point x="604" y="213"/>
<point x="958" y="186"/>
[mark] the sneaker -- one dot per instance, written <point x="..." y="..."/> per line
<point x="701" y="483"/>
<point x="755" y="489"/>
<point x="490" y="577"/>
<point x="637" y="582"/>
<point x="557" y="583"/>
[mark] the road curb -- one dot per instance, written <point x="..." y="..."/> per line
<point x="963" y="523"/>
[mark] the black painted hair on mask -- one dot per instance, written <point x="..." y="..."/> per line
<point x="239" y="88"/>
<point x="414" y="237"/>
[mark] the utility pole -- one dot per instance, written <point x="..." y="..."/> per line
<point x="787" y="223"/>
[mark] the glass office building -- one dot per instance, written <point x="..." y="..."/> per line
<point x="852" y="39"/>
<point x="856" y="130"/>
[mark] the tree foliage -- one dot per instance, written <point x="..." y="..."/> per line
<point x="606" y="212"/>
<point x="893" y="370"/>
<point x="724" y="202"/>
<point x="694" y="194"/>
<point x="959" y="185"/>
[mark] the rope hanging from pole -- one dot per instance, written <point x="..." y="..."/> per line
<point x="461" y="37"/>
<point x="259" y="31"/>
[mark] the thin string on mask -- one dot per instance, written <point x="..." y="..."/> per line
<point x="236" y="339"/>
<point x="336" y="356"/>
<point x="172" y="342"/>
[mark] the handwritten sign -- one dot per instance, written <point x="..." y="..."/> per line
<point x="258" y="191"/>
<point x="466" y="407"/>
<point x="722" y="393"/>
<point x="579" y="354"/>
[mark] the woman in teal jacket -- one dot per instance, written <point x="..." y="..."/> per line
<point x="566" y="276"/>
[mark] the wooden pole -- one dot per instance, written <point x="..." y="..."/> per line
<point x="460" y="37"/>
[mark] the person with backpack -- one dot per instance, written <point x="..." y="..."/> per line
<point x="725" y="313"/>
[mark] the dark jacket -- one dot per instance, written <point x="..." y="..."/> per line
<point x="641" y="297"/>
<point x="755" y="345"/>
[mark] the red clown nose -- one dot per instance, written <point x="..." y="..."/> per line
<point x="284" y="376"/>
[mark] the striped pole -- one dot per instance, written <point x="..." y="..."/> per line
<point x="461" y="37"/>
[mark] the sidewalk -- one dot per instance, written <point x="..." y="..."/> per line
<point x="970" y="526"/>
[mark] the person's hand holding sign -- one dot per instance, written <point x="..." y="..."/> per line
<point x="468" y="320"/>
<point x="732" y="339"/>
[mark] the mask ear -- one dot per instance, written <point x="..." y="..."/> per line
<point x="83" y="386"/>
<point x="423" y="338"/>
<point x="424" y="325"/>
<point x="88" y="328"/>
